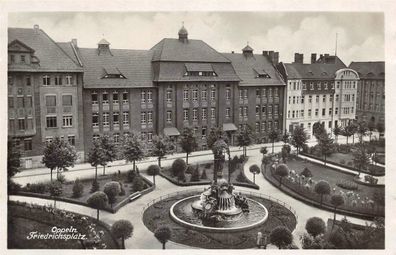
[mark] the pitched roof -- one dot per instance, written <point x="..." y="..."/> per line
<point x="134" y="65"/>
<point x="190" y="51"/>
<point x="104" y="41"/>
<point x="247" y="48"/>
<point x="68" y="48"/>
<point x="318" y="70"/>
<point x="369" y="70"/>
<point x="52" y="57"/>
<point x="249" y="68"/>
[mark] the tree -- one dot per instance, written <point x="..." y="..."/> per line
<point x="59" y="155"/>
<point x="285" y="137"/>
<point x="163" y="234"/>
<point x="78" y="188"/>
<point x="285" y="152"/>
<point x="353" y="128"/>
<point x="109" y="150"/>
<point x="337" y="131"/>
<point x="179" y="167"/>
<point x="315" y="226"/>
<point x="133" y="149"/>
<point x="348" y="131"/>
<point x="96" y="156"/>
<point x="322" y="188"/>
<point x="153" y="170"/>
<point x="55" y="189"/>
<point x="215" y="134"/>
<point x="245" y="138"/>
<point x="188" y="141"/>
<point x="299" y="138"/>
<point x="325" y="143"/>
<point x="122" y="229"/>
<point x="281" y="237"/>
<point x="306" y="172"/>
<point x="361" y="159"/>
<point x="112" y="190"/>
<point x="254" y="169"/>
<point x="318" y="129"/>
<point x="98" y="201"/>
<point x="273" y="136"/>
<point x="267" y="159"/>
<point x="362" y="129"/>
<point x="336" y="201"/>
<point x="162" y="146"/>
<point x="13" y="165"/>
<point x="282" y="171"/>
<point x="263" y="150"/>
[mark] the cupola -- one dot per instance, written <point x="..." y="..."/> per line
<point x="247" y="51"/>
<point x="183" y="34"/>
<point x="103" y="47"/>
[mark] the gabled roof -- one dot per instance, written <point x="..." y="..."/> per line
<point x="369" y="70"/>
<point x="249" y="68"/>
<point x="19" y="46"/>
<point x="247" y="48"/>
<point x="318" y="70"/>
<point x="133" y="65"/>
<point x="52" y="57"/>
<point x="104" y="41"/>
<point x="190" y="51"/>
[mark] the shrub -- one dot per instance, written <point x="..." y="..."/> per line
<point x="95" y="186"/>
<point x="306" y="172"/>
<point x="179" y="165"/>
<point x="348" y="185"/>
<point x="181" y="177"/>
<point x="112" y="189"/>
<point x="61" y="178"/>
<point x="337" y="239"/>
<point x="163" y="234"/>
<point x="242" y="159"/>
<point x="137" y="184"/>
<point x="282" y="171"/>
<point x="322" y="188"/>
<point x="315" y="226"/>
<point x="241" y="177"/>
<point x="40" y="187"/>
<point x="13" y="187"/>
<point x="370" y="179"/>
<point x="122" y="229"/>
<point x="97" y="200"/>
<point x="350" y="163"/>
<point x="122" y="190"/>
<point x="189" y="169"/>
<point x="281" y="237"/>
<point x="131" y="175"/>
<point x="78" y="188"/>
<point x="195" y="175"/>
<point x="203" y="175"/>
<point x="342" y="162"/>
<point x="55" y="189"/>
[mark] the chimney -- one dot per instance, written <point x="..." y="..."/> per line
<point x="36" y="29"/>
<point x="74" y="42"/>
<point x="265" y="53"/>
<point x="313" y="58"/>
<point x="326" y="55"/>
<point x="276" y="58"/>
<point x="298" y="58"/>
<point x="232" y="52"/>
<point x="271" y="55"/>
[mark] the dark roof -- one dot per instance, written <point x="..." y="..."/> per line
<point x="52" y="57"/>
<point x="318" y="70"/>
<point x="175" y="71"/>
<point x="369" y="70"/>
<point x="248" y="69"/>
<point x="190" y="51"/>
<point x="68" y="48"/>
<point x="134" y="65"/>
<point x="104" y="41"/>
<point x="247" y="48"/>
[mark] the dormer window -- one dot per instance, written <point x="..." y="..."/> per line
<point x="23" y="59"/>
<point x="199" y="69"/>
<point x="112" y="73"/>
<point x="260" y="73"/>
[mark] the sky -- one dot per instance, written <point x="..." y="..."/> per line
<point x="360" y="35"/>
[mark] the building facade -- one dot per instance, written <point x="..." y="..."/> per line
<point x="322" y="91"/>
<point x="370" y="105"/>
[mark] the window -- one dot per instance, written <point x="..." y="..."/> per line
<point x="353" y="97"/>
<point x="10" y="102"/>
<point x="204" y="95"/>
<point x="316" y="112"/>
<point x="263" y="93"/>
<point x="240" y="94"/>
<point x="149" y="96"/>
<point x="330" y="111"/>
<point x="338" y="84"/>
<point x="302" y="99"/>
<point x="143" y="118"/>
<point x="27" y="144"/>
<point x="204" y="114"/>
<point x="185" y="114"/>
<point x="212" y="94"/>
<point x="125" y="118"/>
<point x="257" y="127"/>
<point x="10" y="80"/>
<point x="304" y="86"/>
<point x="20" y="102"/>
<point x="94" y="98"/>
<point x="95" y="137"/>
<point x="115" y="97"/>
<point x="195" y="114"/>
<point x="213" y="114"/>
<point x="331" y="98"/>
<point x="50" y="100"/>
<point x="228" y="94"/>
<point x="263" y="126"/>
<point x="289" y="99"/>
<point x="28" y="81"/>
<point x="337" y="98"/>
<point x="21" y="124"/>
<point x="269" y="93"/>
<point x="58" y="80"/>
<point x="46" y="80"/>
<point x="317" y="99"/>
<point x="95" y="119"/>
<point x="336" y="110"/>
<point x="294" y="100"/>
<point x="276" y="92"/>
<point x="23" y="58"/>
<point x="302" y="114"/>
<point x="143" y="97"/>
<point x="67" y="100"/>
<point x="105" y="119"/>
<point x="245" y="111"/>
<point x="228" y="113"/>
<point x="203" y="132"/>
<point x="195" y="95"/>
<point x="288" y="114"/>
<point x="352" y="109"/>
<point x="105" y="98"/>
<point x="310" y="99"/>
<point x="116" y="118"/>
<point x="169" y="116"/>
<point x="169" y="96"/>
<point x="324" y="98"/>
<point x="311" y="86"/>
<point x="258" y="94"/>
<point x="125" y="97"/>
<point x="51" y="122"/>
<point x="150" y="117"/>
<point x="240" y="112"/>
<point x="319" y="86"/>
<point x="325" y="86"/>
<point x="323" y="112"/>
<point x="150" y="137"/>
<point x="116" y="138"/>
<point x="276" y="109"/>
<point x="185" y="95"/>
<point x="330" y="124"/>
<point x="293" y="114"/>
<point x="69" y="80"/>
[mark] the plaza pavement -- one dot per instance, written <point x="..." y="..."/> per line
<point x="142" y="237"/>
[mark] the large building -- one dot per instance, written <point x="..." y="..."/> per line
<point x="323" y="90"/>
<point x="370" y="99"/>
<point x="83" y="93"/>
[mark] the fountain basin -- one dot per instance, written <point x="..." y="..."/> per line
<point x="183" y="213"/>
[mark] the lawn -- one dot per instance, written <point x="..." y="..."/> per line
<point x="24" y="219"/>
<point x="158" y="214"/>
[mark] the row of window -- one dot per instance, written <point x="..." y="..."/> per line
<point x="27" y="143"/>
<point x="301" y="100"/>
<point x="22" y="102"/>
<point x="52" y="121"/>
<point x="300" y="113"/>
<point x="204" y="95"/>
<point x="265" y="126"/>
<point x="263" y="109"/>
<point x="27" y="80"/>
<point x="260" y="93"/>
<point x="115" y="97"/>
<point x="204" y="114"/>
<point x="22" y="124"/>
<point x="70" y="138"/>
<point x="22" y="58"/>
<point x="371" y="107"/>
<point x="50" y="100"/>
<point x="296" y="85"/>
<point x="116" y="118"/>
<point x="57" y="80"/>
